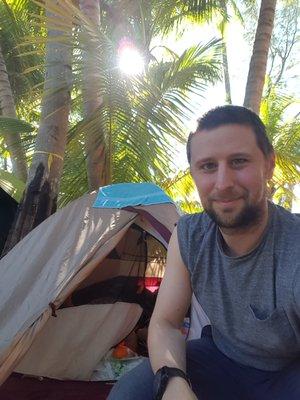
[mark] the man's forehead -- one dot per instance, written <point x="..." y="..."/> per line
<point x="231" y="138"/>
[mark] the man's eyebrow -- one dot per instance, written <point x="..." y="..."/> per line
<point x="204" y="160"/>
<point x="212" y="159"/>
<point x="239" y="155"/>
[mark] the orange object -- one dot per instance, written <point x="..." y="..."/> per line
<point x="121" y="351"/>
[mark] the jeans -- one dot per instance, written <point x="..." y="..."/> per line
<point x="215" y="377"/>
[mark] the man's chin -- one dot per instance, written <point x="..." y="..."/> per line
<point x="227" y="215"/>
<point x="230" y="218"/>
<point x="226" y="221"/>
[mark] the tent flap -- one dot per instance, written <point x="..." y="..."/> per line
<point x="71" y="345"/>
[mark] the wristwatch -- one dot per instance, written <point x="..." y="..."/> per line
<point x="162" y="378"/>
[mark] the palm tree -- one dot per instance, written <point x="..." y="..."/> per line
<point x="137" y="22"/>
<point x="259" y="58"/>
<point x="222" y="28"/>
<point x="148" y="109"/>
<point x="20" y="87"/>
<point x="97" y="172"/>
<point x="142" y="118"/>
<point x="40" y="196"/>
<point x="199" y="12"/>
<point x="130" y="112"/>
<point x="7" y="107"/>
<point x="284" y="132"/>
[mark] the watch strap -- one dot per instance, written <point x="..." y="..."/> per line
<point x="172" y="371"/>
<point x="166" y="373"/>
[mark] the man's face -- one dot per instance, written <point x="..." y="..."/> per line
<point x="231" y="173"/>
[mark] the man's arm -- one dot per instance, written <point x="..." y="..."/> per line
<point x="166" y="342"/>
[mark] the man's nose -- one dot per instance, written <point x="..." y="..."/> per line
<point x="224" y="178"/>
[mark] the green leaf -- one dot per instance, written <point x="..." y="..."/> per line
<point x="12" y="185"/>
<point x="283" y="129"/>
<point x="14" y="125"/>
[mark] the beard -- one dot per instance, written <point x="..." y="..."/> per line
<point x="250" y="215"/>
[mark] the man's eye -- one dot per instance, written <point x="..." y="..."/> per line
<point x="208" y="167"/>
<point x="238" y="162"/>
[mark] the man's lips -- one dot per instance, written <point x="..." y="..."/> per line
<point x="227" y="201"/>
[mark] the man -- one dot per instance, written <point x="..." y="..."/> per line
<point x="241" y="258"/>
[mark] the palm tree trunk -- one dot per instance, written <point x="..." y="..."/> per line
<point x="7" y="107"/>
<point x="258" y="63"/>
<point x="40" y="196"/>
<point x="226" y="74"/>
<point x="94" y="144"/>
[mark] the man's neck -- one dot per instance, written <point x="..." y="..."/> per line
<point x="239" y="242"/>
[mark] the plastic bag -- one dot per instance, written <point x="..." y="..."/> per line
<point x="111" y="369"/>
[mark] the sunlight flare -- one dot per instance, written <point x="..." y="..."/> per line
<point x="131" y="61"/>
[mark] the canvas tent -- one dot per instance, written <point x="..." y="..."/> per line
<point x="78" y="248"/>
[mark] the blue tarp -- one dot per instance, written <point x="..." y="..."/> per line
<point x="130" y="194"/>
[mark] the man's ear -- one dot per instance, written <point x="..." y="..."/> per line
<point x="271" y="161"/>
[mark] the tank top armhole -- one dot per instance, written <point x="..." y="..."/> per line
<point x="183" y="238"/>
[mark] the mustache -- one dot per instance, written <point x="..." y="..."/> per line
<point x="226" y="196"/>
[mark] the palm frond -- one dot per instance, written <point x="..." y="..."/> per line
<point x="12" y="185"/>
<point x="284" y="132"/>
<point x="15" y="26"/>
<point x="14" y="125"/>
<point x="141" y="117"/>
<point x="182" y="190"/>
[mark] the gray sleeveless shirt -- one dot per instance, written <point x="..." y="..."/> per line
<point x="253" y="301"/>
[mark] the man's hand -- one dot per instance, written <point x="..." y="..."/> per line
<point x="178" y="389"/>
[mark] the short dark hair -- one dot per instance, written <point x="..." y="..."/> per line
<point x="230" y="114"/>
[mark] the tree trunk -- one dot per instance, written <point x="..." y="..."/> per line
<point x="96" y="160"/>
<point x="12" y="141"/>
<point x="40" y="196"/>
<point x="224" y="54"/>
<point x="226" y="74"/>
<point x="258" y="63"/>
